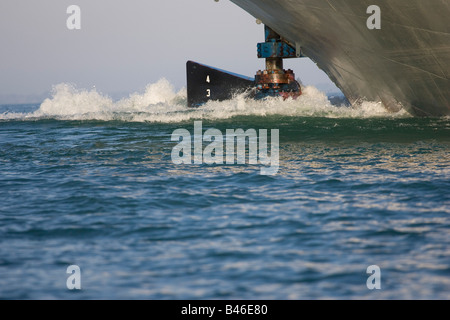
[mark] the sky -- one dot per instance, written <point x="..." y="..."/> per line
<point x="123" y="46"/>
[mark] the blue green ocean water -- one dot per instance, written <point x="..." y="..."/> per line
<point x="88" y="181"/>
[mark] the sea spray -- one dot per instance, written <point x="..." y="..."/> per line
<point x="161" y="103"/>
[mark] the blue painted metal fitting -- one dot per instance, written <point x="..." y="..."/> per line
<point x="276" y="50"/>
<point x="275" y="81"/>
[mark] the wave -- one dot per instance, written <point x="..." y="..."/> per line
<point x="162" y="103"/>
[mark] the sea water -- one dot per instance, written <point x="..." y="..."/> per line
<point x="87" y="181"/>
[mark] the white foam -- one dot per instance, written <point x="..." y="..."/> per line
<point x="161" y="103"/>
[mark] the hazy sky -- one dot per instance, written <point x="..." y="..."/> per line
<point x="124" y="45"/>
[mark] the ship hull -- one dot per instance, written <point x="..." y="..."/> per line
<point x="405" y="64"/>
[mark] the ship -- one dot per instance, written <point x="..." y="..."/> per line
<point x="402" y="60"/>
